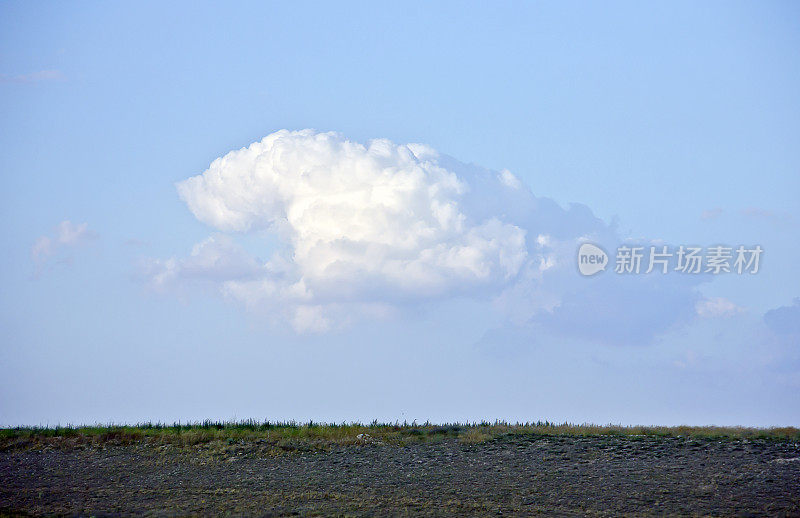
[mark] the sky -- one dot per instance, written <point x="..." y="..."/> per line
<point x="349" y="211"/>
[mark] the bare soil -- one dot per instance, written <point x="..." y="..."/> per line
<point x="506" y="476"/>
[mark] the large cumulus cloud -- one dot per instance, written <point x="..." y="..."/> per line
<point x="361" y="222"/>
<point x="366" y="228"/>
<point x="356" y="216"/>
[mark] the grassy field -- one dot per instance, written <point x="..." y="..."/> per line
<point x="290" y="436"/>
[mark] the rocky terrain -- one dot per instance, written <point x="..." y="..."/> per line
<point x="515" y="475"/>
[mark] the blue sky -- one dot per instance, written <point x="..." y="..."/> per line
<point x="675" y="123"/>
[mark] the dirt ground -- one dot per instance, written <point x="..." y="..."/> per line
<point x="510" y="476"/>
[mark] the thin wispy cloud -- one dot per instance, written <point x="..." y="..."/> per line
<point x="717" y="307"/>
<point x="711" y="213"/>
<point x="772" y="216"/>
<point x="785" y="320"/>
<point x="34" y="77"/>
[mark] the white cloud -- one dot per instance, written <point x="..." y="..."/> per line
<point x="65" y="235"/>
<point x="717" y="307"/>
<point x="375" y="221"/>
<point x="69" y="233"/>
<point x="365" y="229"/>
<point x="508" y="179"/>
<point x="217" y="259"/>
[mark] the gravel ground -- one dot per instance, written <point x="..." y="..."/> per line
<point x="516" y="476"/>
